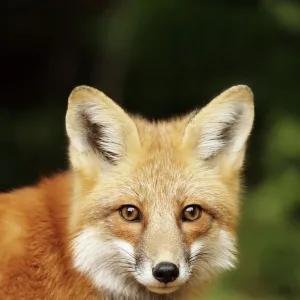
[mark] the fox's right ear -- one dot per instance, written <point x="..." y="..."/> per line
<point x="98" y="129"/>
<point x="221" y="128"/>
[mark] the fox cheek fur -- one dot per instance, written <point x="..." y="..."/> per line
<point x="160" y="168"/>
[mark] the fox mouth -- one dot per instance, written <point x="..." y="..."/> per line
<point x="162" y="290"/>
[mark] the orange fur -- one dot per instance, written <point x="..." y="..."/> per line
<point x="34" y="255"/>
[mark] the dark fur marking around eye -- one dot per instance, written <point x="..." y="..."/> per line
<point x="96" y="136"/>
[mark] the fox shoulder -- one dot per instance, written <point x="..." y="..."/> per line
<point x="24" y="210"/>
<point x="13" y="225"/>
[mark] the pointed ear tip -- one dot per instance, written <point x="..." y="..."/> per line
<point x="241" y="91"/>
<point x="83" y="92"/>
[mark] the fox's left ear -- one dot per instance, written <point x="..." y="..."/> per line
<point x="222" y="127"/>
<point x="99" y="130"/>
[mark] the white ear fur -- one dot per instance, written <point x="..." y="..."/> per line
<point x="97" y="125"/>
<point x="223" y="126"/>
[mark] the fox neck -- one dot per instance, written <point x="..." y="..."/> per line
<point x="145" y="295"/>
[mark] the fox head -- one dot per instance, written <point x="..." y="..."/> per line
<point x="155" y="204"/>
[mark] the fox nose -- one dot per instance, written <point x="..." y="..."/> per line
<point x="165" y="272"/>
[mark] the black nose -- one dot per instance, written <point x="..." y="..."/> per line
<point x="165" y="272"/>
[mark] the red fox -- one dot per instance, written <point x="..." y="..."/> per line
<point x="147" y="211"/>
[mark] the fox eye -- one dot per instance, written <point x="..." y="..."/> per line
<point x="191" y="213"/>
<point x="130" y="213"/>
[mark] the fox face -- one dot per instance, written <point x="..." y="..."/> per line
<point x="155" y="204"/>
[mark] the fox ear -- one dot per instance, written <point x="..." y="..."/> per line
<point x="99" y="127"/>
<point x="223" y="126"/>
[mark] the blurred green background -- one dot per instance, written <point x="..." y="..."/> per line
<point x="160" y="59"/>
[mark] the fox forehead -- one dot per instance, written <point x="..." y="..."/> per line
<point x="161" y="180"/>
<point x="160" y="172"/>
<point x="161" y="134"/>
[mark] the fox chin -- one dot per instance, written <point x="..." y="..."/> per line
<point x="147" y="210"/>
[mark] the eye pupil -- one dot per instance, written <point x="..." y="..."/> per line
<point x="191" y="210"/>
<point x="130" y="211"/>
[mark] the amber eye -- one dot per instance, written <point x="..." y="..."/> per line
<point x="130" y="213"/>
<point x="191" y="213"/>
